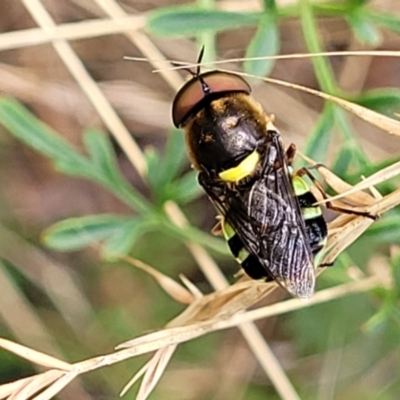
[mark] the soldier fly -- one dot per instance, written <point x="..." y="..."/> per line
<point x="268" y="213"/>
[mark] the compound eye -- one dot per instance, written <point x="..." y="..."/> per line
<point x="191" y="95"/>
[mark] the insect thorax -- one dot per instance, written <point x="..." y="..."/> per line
<point x="224" y="132"/>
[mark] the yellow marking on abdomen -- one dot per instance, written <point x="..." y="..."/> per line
<point x="299" y="185"/>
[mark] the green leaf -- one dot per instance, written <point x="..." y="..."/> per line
<point x="322" y="67"/>
<point x="162" y="170"/>
<point x="265" y="42"/>
<point x="395" y="263"/>
<point x="385" y="101"/>
<point x="195" y="235"/>
<point x="102" y="156"/>
<point x="330" y="8"/>
<point x="343" y="161"/>
<point x="379" y="320"/>
<point x="78" y="233"/>
<point x="355" y="152"/>
<point x="371" y="169"/>
<point x="174" y="157"/>
<point x="186" y="189"/>
<point x="100" y="149"/>
<point x="29" y="130"/>
<point x="122" y="240"/>
<point x="364" y="30"/>
<point x="153" y="167"/>
<point x="175" y="153"/>
<point x="319" y="140"/>
<point x="337" y="273"/>
<point x="384" y="231"/>
<point x="389" y="21"/>
<point x="186" y="21"/>
<point x="269" y="5"/>
<point x="105" y="168"/>
<point x="358" y="3"/>
<point x="101" y="168"/>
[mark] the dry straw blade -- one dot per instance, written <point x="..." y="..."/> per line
<point x="219" y="310"/>
<point x="344" y="236"/>
<point x="381" y="121"/>
<point x="354" y="53"/>
<point x="379" y="177"/>
<point x="173" y="288"/>
<point x="339" y="185"/>
<point x="35" y="356"/>
<point x="29" y="387"/>
<point x="205" y="314"/>
<point x="172" y="336"/>
<point x="57" y="386"/>
<point x="154" y="371"/>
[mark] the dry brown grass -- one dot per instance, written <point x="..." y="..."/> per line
<point x="69" y="84"/>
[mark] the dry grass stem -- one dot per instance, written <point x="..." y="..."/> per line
<point x="154" y="371"/>
<point x="70" y="31"/>
<point x="89" y="87"/>
<point x="197" y="294"/>
<point x="319" y="297"/>
<point x="381" y="121"/>
<point x="346" y="228"/>
<point x="204" y="260"/>
<point x="352" y="228"/>
<point x="136" y="377"/>
<point x="57" y="386"/>
<point x="207" y="264"/>
<point x="34" y="356"/>
<point x="339" y="185"/>
<point x="268" y="361"/>
<point x="34" y="384"/>
<point x="173" y="336"/>
<point x="361" y="53"/>
<point x="381" y="176"/>
<point x="143" y="43"/>
<point x="219" y="310"/>
<point x="68" y="99"/>
<point x="8" y="389"/>
<point x="173" y="288"/>
<point x="98" y="100"/>
<point x="259" y="346"/>
<point x="47" y="275"/>
<point x="226" y="307"/>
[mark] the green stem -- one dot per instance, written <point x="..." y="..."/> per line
<point x="322" y="68"/>
<point x="207" y="39"/>
<point x="188" y="233"/>
<point x="325" y="75"/>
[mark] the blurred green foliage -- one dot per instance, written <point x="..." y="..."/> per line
<point x="317" y="330"/>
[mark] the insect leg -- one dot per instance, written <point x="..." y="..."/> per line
<point x="305" y="171"/>
<point x="329" y="264"/>
<point x="290" y="153"/>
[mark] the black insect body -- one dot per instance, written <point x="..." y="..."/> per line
<point x="268" y="214"/>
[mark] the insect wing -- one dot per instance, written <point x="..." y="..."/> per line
<point x="297" y="269"/>
<point x="267" y="218"/>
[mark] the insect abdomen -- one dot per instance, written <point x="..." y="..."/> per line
<point x="312" y="214"/>
<point x="248" y="261"/>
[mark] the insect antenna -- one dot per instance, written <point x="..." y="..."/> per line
<point x="205" y="88"/>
